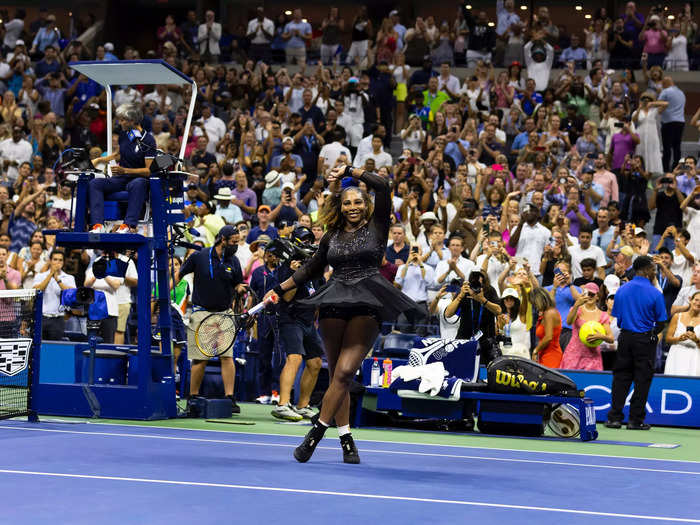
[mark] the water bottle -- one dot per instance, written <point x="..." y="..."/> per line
<point x="376" y="372"/>
<point x="387" y="372"/>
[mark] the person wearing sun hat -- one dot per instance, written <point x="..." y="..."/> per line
<point x="228" y="211"/>
<point x="512" y="323"/>
<point x="273" y="189"/>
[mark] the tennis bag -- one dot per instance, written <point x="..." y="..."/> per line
<point x="517" y="375"/>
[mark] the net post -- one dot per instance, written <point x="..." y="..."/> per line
<point x="35" y="358"/>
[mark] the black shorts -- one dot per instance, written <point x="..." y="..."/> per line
<point x="297" y="338"/>
<point x="348" y="312"/>
<point x="179" y="332"/>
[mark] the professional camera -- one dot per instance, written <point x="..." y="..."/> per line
<point x="454" y="286"/>
<point x="476" y="282"/>
<point x="507" y="341"/>
<point x="77" y="159"/>
<point x="92" y="303"/>
<point x="298" y="248"/>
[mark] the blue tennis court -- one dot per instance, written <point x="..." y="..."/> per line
<point x="100" y="473"/>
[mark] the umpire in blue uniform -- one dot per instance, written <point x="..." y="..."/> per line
<point x="217" y="277"/>
<point x="641" y="315"/>
<point x="135" y="155"/>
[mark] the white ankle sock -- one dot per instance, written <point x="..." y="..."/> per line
<point x="345" y="429"/>
<point x="324" y="424"/>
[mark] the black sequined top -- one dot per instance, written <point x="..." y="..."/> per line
<point x="358" y="254"/>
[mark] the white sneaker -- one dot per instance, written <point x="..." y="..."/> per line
<point x="97" y="228"/>
<point x="263" y="400"/>
<point x="286" y="412"/>
<point x="274" y="398"/>
<point x="306" y="412"/>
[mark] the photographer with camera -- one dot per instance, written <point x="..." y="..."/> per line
<point x="443" y="299"/>
<point x="477" y="305"/>
<point x="298" y="336"/>
<point x="412" y="278"/>
<point x="52" y="283"/>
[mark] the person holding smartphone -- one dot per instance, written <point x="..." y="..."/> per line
<point x="684" y="337"/>
<point x="412" y="278"/>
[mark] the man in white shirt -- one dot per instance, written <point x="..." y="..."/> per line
<point x="456" y="267"/>
<point x="448" y="82"/>
<point x="260" y="31"/>
<point x="109" y="286"/>
<point x="585" y="250"/>
<point x="436" y="251"/>
<point x="123" y="294"/>
<point x="413" y="279"/>
<point x="214" y="126"/>
<point x="13" y="29"/>
<point x="160" y="96"/>
<point x="127" y="95"/>
<point x="353" y="129"/>
<point x="208" y="36"/>
<point x="500" y="134"/>
<point x="381" y="159"/>
<point x="52" y="282"/>
<point x="530" y="238"/>
<point x="329" y="153"/>
<point x="539" y="66"/>
<point x="365" y="145"/>
<point x="13" y="152"/>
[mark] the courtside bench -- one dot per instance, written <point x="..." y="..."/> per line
<point x="517" y="412"/>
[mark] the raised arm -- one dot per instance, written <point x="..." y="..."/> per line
<point x="382" y="197"/>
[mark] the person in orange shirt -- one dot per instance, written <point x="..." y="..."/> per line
<point x="547" y="352"/>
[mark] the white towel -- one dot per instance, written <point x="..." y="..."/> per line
<point x="431" y="376"/>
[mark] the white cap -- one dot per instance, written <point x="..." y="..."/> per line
<point x="510" y="292"/>
<point x="289" y="185"/>
<point x="639" y="231"/>
<point x="109" y="46"/>
<point x="428" y="216"/>
<point x="612" y="284"/>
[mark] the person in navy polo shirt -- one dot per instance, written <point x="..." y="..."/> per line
<point x="217" y="276"/>
<point x="136" y="152"/>
<point x="641" y="315"/>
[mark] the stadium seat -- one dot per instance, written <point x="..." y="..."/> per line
<point x="115" y="206"/>
<point x="397" y="345"/>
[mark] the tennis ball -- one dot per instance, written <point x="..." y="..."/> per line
<point x="591" y="327"/>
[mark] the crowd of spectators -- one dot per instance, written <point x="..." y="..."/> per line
<point x="538" y="178"/>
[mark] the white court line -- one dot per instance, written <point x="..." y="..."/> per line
<point x="353" y="495"/>
<point x="377" y="451"/>
<point x="410" y="442"/>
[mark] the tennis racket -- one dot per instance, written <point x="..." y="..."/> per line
<point x="217" y="332"/>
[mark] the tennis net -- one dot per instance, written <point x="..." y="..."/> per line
<point x="17" y="341"/>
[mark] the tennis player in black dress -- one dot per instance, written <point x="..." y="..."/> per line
<point x="356" y="299"/>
